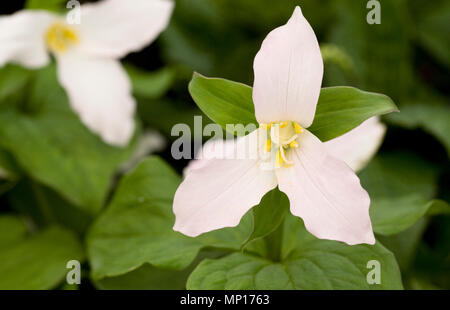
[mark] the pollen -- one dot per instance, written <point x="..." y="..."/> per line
<point x="293" y="144"/>
<point x="60" y="37"/>
<point x="268" y="145"/>
<point x="265" y="126"/>
<point x="282" y="139"/>
<point x="297" y="127"/>
<point x="279" y="159"/>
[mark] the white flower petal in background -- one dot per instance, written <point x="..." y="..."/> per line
<point x="288" y="73"/>
<point x="220" y="192"/>
<point x="149" y="142"/>
<point x="114" y="28"/>
<point x="359" y="145"/>
<point x="326" y="194"/>
<point x="22" y="39"/>
<point x="100" y="92"/>
<point x="87" y="56"/>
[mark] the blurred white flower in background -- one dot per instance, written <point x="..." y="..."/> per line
<point x="149" y="142"/>
<point x="87" y="56"/>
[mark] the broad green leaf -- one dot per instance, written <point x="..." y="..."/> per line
<point x="340" y="109"/>
<point x="381" y="53"/>
<point x="431" y="113"/>
<point x="12" y="229"/>
<point x="433" y="30"/>
<point x="8" y="167"/>
<point x="311" y="264"/>
<point x="137" y="226"/>
<point x="50" y="143"/>
<point x="400" y="186"/>
<point x="404" y="244"/>
<point x="437" y="207"/>
<point x="50" y="5"/>
<point x="268" y="215"/>
<point x="12" y="80"/>
<point x="45" y="207"/>
<point x="148" y="277"/>
<point x="223" y="101"/>
<point x="39" y="261"/>
<point x="150" y="84"/>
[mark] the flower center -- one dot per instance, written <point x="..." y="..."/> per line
<point x="282" y="137"/>
<point x="60" y="36"/>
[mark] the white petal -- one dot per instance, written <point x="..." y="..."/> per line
<point x="288" y="73"/>
<point x="359" y="145"/>
<point x="100" y="93"/>
<point x="114" y="28"/>
<point x="22" y="38"/>
<point x="212" y="149"/>
<point x="220" y="192"/>
<point x="326" y="194"/>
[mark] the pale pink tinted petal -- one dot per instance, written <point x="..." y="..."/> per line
<point x="22" y="38"/>
<point x="219" y="193"/>
<point x="359" y="145"/>
<point x="100" y="93"/>
<point x="326" y="194"/>
<point x="212" y="149"/>
<point x="288" y="73"/>
<point x="114" y="28"/>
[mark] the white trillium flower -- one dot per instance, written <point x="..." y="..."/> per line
<point x="322" y="189"/>
<point x="87" y="56"/>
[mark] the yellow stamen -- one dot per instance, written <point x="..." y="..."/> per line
<point x="268" y="145"/>
<point x="283" y="124"/>
<point x="265" y="126"/>
<point x="60" y="36"/>
<point x="297" y="127"/>
<point x="279" y="159"/>
<point x="293" y="144"/>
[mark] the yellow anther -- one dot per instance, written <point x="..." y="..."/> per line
<point x="279" y="159"/>
<point x="283" y="124"/>
<point x="60" y="36"/>
<point x="297" y="127"/>
<point x="293" y="144"/>
<point x="265" y="126"/>
<point x="268" y="145"/>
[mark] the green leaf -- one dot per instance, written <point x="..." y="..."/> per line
<point x="430" y="113"/>
<point x="12" y="229"/>
<point x="12" y="80"/>
<point x="137" y="226"/>
<point x="438" y="207"/>
<point x="382" y="52"/>
<point x="340" y="109"/>
<point x="404" y="244"/>
<point x="311" y="264"/>
<point x="8" y="167"/>
<point x="268" y="215"/>
<point x="400" y="186"/>
<point x="45" y="207"/>
<point x="433" y="30"/>
<point x="50" y="143"/>
<point x="50" y="5"/>
<point x="148" y="277"/>
<point x="150" y="85"/>
<point x="223" y="101"/>
<point x="39" y="262"/>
